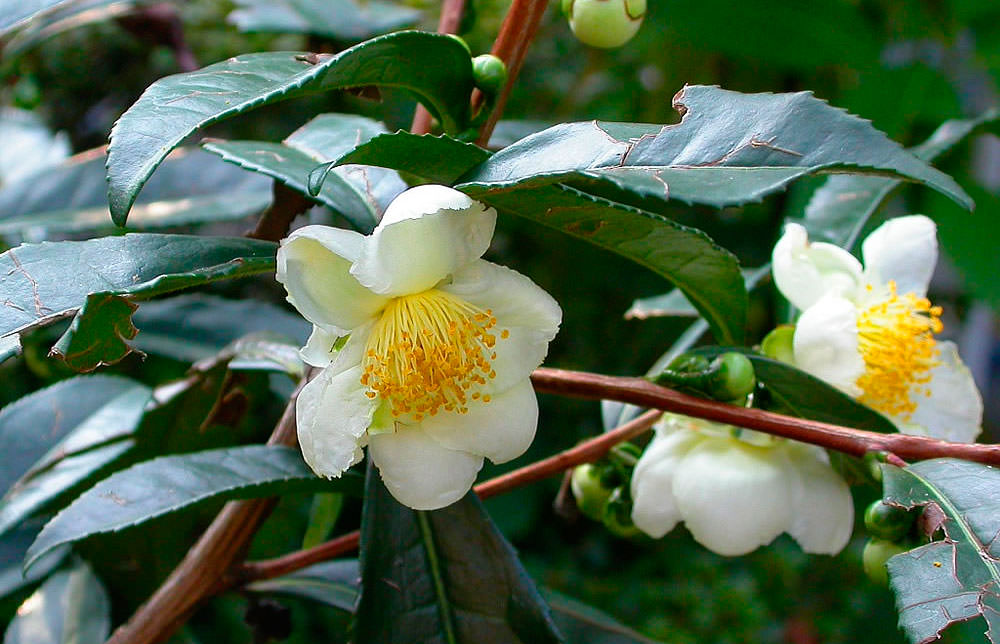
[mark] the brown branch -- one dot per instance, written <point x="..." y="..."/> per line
<point x="448" y="23"/>
<point x="511" y="46"/>
<point x="286" y="205"/>
<point x="209" y="559"/>
<point x="585" y="452"/>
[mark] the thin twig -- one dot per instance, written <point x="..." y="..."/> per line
<point x="448" y="23"/>
<point x="286" y="205"/>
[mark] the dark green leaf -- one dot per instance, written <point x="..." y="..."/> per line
<point x="28" y="147"/>
<point x="173" y="483"/>
<point x="193" y="327"/>
<point x="360" y="194"/>
<point x="13" y="545"/>
<point x="434" y="67"/>
<point x="439" y="159"/>
<point x="190" y="187"/>
<point x="334" y="583"/>
<point x="708" y="275"/>
<point x="583" y="624"/>
<point x="676" y="304"/>
<point x="444" y="576"/>
<point x="99" y="333"/>
<point x="70" y="607"/>
<point x="45" y="282"/>
<point x="322" y="517"/>
<point x="954" y="579"/>
<point x="343" y="20"/>
<point x="839" y="209"/>
<point x="73" y="414"/>
<point x="728" y="149"/>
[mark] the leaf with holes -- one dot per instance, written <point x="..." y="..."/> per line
<point x="342" y="20"/>
<point x="956" y="578"/>
<point x="434" y="67"/>
<point x="49" y="281"/>
<point x="438" y="159"/>
<point x="358" y="193"/>
<point x="728" y="149"/>
<point x="99" y="333"/>
<point x="173" y="483"/>
<point x="446" y="576"/>
<point x="191" y="187"/>
<point x="838" y="210"/>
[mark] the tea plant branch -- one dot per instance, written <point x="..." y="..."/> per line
<point x="448" y="23"/>
<point x="222" y="544"/>
<point x="286" y="205"/>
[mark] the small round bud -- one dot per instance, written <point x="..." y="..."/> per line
<point x="888" y="522"/>
<point x="778" y="344"/>
<point x="877" y="552"/>
<point x="489" y="73"/>
<point x="618" y="515"/>
<point x="588" y="489"/>
<point x="604" y="23"/>
<point x="733" y="377"/>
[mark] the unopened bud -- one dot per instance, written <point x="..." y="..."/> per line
<point x="604" y="23"/>
<point x="489" y="73"/>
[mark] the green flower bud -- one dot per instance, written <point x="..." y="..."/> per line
<point x="778" y="344"/>
<point x="733" y="377"/>
<point x="618" y="515"/>
<point x="588" y="489"/>
<point x="888" y="522"/>
<point x="877" y="552"/>
<point x="604" y="23"/>
<point x="489" y="73"/>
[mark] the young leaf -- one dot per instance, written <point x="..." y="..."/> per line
<point x="173" y="483"/>
<point x="728" y="149"/>
<point x="708" y="275"/>
<point x="99" y="333"/>
<point x="71" y="606"/>
<point x="360" y="194"/>
<point x="956" y="578"/>
<point x="435" y="67"/>
<point x="46" y="282"/>
<point x="439" y="159"/>
<point x="342" y="20"/>
<point x="446" y="576"/>
<point x="191" y="187"/>
<point x="838" y="210"/>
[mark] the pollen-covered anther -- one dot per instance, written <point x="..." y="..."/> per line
<point x="896" y="340"/>
<point x="430" y="351"/>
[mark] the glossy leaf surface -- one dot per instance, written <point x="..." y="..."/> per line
<point x="343" y="20"/>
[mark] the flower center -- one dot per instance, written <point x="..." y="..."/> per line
<point x="896" y="339"/>
<point x="429" y="351"/>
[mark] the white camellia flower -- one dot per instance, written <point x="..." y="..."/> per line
<point x="736" y="490"/>
<point x="426" y="349"/>
<point x="869" y="331"/>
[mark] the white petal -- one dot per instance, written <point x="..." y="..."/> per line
<point x="419" y="471"/>
<point x="734" y="497"/>
<point x="822" y="508"/>
<point x="426" y="234"/>
<point x="331" y="415"/>
<point x="314" y="264"/>
<point x="500" y="430"/>
<point x="826" y="344"/>
<point x="904" y="250"/>
<point x="530" y="316"/>
<point x="954" y="409"/>
<point x="654" y="510"/>
<point x="805" y="272"/>
<point x="318" y="351"/>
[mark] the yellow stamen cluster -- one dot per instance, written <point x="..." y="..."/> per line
<point x="430" y="351"/>
<point x="896" y="339"/>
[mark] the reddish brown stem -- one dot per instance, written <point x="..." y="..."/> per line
<point x="286" y="205"/>
<point x="448" y="23"/>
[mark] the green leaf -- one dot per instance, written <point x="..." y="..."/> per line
<point x="342" y="20"/>
<point x="438" y="159"/>
<point x="444" y="576"/>
<point x="583" y="624"/>
<point x="193" y="327"/>
<point x="675" y="304"/>
<point x="728" y="149"/>
<point x="840" y="208"/>
<point x="70" y="607"/>
<point x="174" y="483"/>
<point x="322" y="517"/>
<point x="359" y="194"/>
<point x="46" y="282"/>
<point x="16" y="13"/>
<point x="956" y="578"/>
<point x="334" y="583"/>
<point x="434" y="67"/>
<point x="13" y="545"/>
<point x="66" y="16"/>
<point x="28" y="146"/>
<point x="191" y="187"/>
<point x="99" y="333"/>
<point x="67" y="417"/>
<point x="708" y="275"/>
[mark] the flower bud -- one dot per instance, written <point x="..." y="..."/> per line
<point x="604" y="23"/>
<point x="732" y="377"/>
<point x="888" y="522"/>
<point x="589" y="490"/>
<point x="489" y="73"/>
<point x="618" y="514"/>
<point x="877" y="552"/>
<point x="778" y="344"/>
